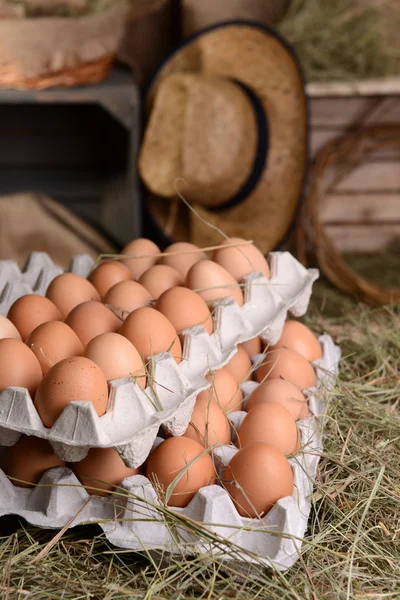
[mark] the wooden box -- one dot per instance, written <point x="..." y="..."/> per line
<point x="361" y="213"/>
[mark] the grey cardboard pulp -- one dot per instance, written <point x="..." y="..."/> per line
<point x="135" y="519"/>
<point x="134" y="416"/>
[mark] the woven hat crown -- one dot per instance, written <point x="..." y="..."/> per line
<point x="202" y="129"/>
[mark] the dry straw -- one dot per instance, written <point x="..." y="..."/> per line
<point x="345" y="39"/>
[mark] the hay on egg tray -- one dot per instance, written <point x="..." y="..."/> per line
<point x="352" y="547"/>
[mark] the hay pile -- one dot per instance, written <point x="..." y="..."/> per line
<point x="345" y="39"/>
<point x="352" y="548"/>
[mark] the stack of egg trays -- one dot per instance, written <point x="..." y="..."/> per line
<point x="134" y="416"/>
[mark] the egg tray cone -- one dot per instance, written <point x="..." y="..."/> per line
<point x="134" y="416"/>
<point x="134" y="519"/>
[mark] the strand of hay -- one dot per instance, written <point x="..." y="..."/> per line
<point x="345" y="39"/>
<point x="342" y="156"/>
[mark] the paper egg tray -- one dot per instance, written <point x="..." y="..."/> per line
<point x="136" y="522"/>
<point x="134" y="416"/>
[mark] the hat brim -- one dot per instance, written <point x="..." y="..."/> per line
<point x="256" y="56"/>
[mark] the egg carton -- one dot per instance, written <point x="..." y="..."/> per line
<point x="36" y="276"/>
<point x="135" y="521"/>
<point x="134" y="416"/>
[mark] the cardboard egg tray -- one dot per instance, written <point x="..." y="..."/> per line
<point x="134" y="416"/>
<point x="134" y="519"/>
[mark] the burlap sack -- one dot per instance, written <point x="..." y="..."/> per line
<point x="31" y="222"/>
<point x="198" y="14"/>
<point x="46" y="51"/>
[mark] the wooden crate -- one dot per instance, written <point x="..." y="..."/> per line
<point x="362" y="213"/>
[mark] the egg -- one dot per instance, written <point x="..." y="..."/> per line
<point x="209" y="424"/>
<point x="256" y="478"/>
<point x="184" y="309"/>
<point x="212" y="282"/>
<point x="242" y="259"/>
<point x="160" y="278"/>
<point x="300" y="338"/>
<point x="68" y="290"/>
<point x="224" y="391"/>
<point x="8" y="329"/>
<point x="272" y="424"/>
<point x="180" y="456"/>
<point x="52" y="342"/>
<point x="289" y="365"/>
<point x="90" y="319"/>
<point x="140" y="247"/>
<point x="127" y="296"/>
<point x="106" y="275"/>
<point x="151" y="333"/>
<point x="70" y="380"/>
<point x="182" y="256"/>
<point x="102" y="471"/>
<point x="116" y="357"/>
<point x="240" y="366"/>
<point x="30" y="311"/>
<point x="282" y="392"/>
<point x="19" y="367"/>
<point x="28" y="461"/>
<point x="253" y="346"/>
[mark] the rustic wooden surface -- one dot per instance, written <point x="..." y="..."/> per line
<point x="362" y="212"/>
<point x="78" y="146"/>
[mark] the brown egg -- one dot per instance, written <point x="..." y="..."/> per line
<point x="209" y="424"/>
<point x="240" y="366"/>
<point x="30" y="311"/>
<point x="90" y="319"/>
<point x="272" y="424"/>
<point x="151" y="333"/>
<point x="212" y="282"/>
<point x="256" y="478"/>
<point x="108" y="274"/>
<point x="241" y="260"/>
<point x="253" y="346"/>
<point x="70" y="380"/>
<point x="158" y="279"/>
<point x="8" y="329"/>
<point x="68" y="290"/>
<point x="52" y="342"/>
<point x="18" y="366"/>
<point x="127" y="296"/>
<point x="140" y="247"/>
<point x="224" y="391"/>
<point x="182" y="257"/>
<point x="169" y="459"/>
<point x="102" y="471"/>
<point x="281" y="392"/>
<point x="298" y="337"/>
<point x="116" y="357"/>
<point x="289" y="365"/>
<point x="28" y="461"/>
<point x="184" y="308"/>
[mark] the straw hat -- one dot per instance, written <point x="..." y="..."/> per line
<point x="226" y="113"/>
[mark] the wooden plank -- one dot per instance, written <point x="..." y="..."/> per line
<point x="367" y="208"/>
<point x="343" y="112"/>
<point x="53" y="182"/>
<point x="56" y="151"/>
<point x="362" y="238"/>
<point x="372" y="177"/>
<point x="368" y="87"/>
<point x="319" y="137"/>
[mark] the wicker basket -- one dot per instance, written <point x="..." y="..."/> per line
<point x="39" y="53"/>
